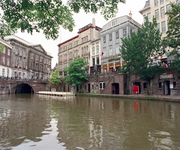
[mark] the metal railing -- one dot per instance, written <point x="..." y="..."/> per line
<point x="23" y="79"/>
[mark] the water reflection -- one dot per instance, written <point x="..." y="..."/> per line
<point x="89" y="123"/>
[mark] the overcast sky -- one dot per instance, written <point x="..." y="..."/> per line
<point x="82" y="19"/>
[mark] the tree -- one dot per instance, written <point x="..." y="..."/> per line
<point x="49" y="15"/>
<point x="138" y="49"/>
<point x="55" y="77"/>
<point x="1" y="48"/>
<point x="173" y="34"/>
<point x="76" y="72"/>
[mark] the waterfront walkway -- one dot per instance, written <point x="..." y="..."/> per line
<point x="139" y="96"/>
<point x="55" y="93"/>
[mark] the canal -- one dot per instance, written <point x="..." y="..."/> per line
<point x="87" y="123"/>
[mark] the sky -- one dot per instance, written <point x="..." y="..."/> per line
<point x="82" y="19"/>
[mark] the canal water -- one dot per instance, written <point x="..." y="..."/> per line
<point x="37" y="122"/>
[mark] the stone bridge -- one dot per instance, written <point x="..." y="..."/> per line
<point x="23" y="86"/>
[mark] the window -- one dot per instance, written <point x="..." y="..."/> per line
<point x="7" y="72"/>
<point x="158" y="26"/>
<point x="117" y="34"/>
<point x="178" y="1"/>
<point x="85" y="86"/>
<point x="104" y="39"/>
<point x="93" y="50"/>
<point x="163" y="24"/>
<point x="97" y="49"/>
<point x="131" y="30"/>
<point x="93" y="60"/>
<point x="16" y="52"/>
<point x="20" y="63"/>
<point x="110" y="37"/>
<point x="102" y="85"/>
<point x="110" y="50"/>
<point x="86" y="49"/>
<point x="97" y="60"/>
<point x="114" y="22"/>
<point x="4" y="51"/>
<point x="161" y="1"/>
<point x="124" y="32"/>
<point x="23" y="75"/>
<point x="160" y="85"/>
<point x="3" y="70"/>
<point x="3" y="61"/>
<point x="162" y="12"/>
<point x="8" y="62"/>
<point x="149" y="16"/>
<point x="24" y="64"/>
<point x="145" y="86"/>
<point x="92" y="86"/>
<point x="16" y="63"/>
<point x="82" y="50"/>
<point x="87" y="59"/>
<point x="9" y="52"/>
<point x="168" y="7"/>
<point x="155" y="2"/>
<point x="15" y="74"/>
<point x="24" y="54"/>
<point x="20" y="53"/>
<point x="174" y="84"/>
<point x="32" y="57"/>
<point x="117" y="49"/>
<point x="19" y="74"/>
<point x="157" y="13"/>
<point x="104" y="52"/>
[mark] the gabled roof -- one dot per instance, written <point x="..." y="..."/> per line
<point x="5" y="43"/>
<point x="36" y="46"/>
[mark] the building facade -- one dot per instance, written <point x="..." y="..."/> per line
<point x="29" y="61"/>
<point x="158" y="8"/>
<point x="111" y="35"/>
<point x="95" y="56"/>
<point x="78" y="46"/>
<point x="5" y="60"/>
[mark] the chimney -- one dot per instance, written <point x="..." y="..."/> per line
<point x="130" y="14"/>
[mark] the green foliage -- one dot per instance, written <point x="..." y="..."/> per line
<point x="76" y="72"/>
<point x="49" y="15"/>
<point x="138" y="49"/>
<point x="1" y="48"/>
<point x="173" y="36"/>
<point x="55" y="77"/>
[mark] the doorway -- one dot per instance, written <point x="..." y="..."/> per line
<point x="89" y="88"/>
<point x="115" y="88"/>
<point x="166" y="88"/>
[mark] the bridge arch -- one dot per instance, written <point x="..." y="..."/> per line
<point x="23" y="88"/>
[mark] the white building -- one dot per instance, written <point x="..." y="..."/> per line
<point x="158" y="8"/>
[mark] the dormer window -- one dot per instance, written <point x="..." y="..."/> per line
<point x="113" y="22"/>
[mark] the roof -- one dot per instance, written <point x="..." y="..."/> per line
<point x="36" y="46"/>
<point x="5" y="43"/>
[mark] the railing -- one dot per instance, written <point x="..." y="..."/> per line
<point x="24" y="79"/>
<point x="104" y="73"/>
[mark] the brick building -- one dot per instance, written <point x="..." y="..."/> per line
<point x="28" y="60"/>
<point x="78" y="46"/>
<point x="5" y="60"/>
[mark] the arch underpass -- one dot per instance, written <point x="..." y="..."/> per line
<point x="23" y="88"/>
